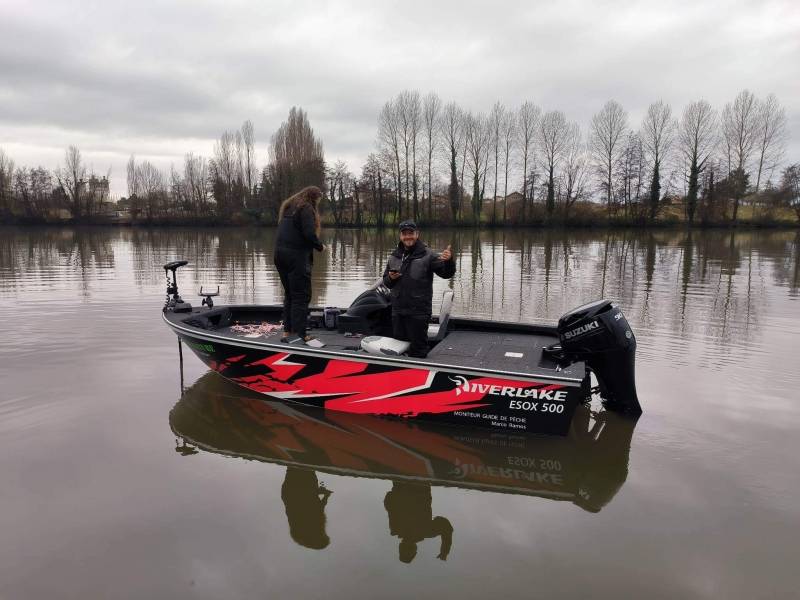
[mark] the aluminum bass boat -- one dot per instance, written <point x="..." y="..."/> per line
<point x="501" y="375"/>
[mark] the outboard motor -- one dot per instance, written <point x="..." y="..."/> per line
<point x="369" y="314"/>
<point x="599" y="334"/>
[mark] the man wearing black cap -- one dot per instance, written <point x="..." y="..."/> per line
<point x="409" y="275"/>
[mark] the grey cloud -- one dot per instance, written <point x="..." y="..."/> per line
<point x="160" y="76"/>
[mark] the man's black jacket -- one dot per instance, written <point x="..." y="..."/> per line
<point x="412" y="294"/>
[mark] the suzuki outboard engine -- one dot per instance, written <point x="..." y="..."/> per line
<point x="599" y="334"/>
<point x="369" y="314"/>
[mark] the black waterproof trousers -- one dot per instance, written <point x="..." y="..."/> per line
<point x="294" y="268"/>
<point x="414" y="329"/>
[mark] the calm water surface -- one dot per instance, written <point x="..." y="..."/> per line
<point x="117" y="485"/>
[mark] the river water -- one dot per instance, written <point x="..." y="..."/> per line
<point x="118" y="484"/>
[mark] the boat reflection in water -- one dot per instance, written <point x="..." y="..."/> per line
<point x="587" y="467"/>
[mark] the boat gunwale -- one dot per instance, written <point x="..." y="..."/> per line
<point x="570" y="381"/>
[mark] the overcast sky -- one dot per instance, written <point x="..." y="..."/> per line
<point x="159" y="79"/>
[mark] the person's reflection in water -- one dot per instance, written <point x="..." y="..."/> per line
<point x="305" y="500"/>
<point x="411" y="519"/>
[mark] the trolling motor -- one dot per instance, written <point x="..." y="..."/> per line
<point x="599" y="334"/>
<point x="174" y="302"/>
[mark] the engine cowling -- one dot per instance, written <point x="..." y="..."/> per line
<point x="598" y="333"/>
<point x="369" y="314"/>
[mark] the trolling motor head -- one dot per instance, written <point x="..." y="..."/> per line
<point x="599" y="334"/>
<point x="174" y="302"/>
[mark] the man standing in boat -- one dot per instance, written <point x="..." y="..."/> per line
<point x="409" y="275"/>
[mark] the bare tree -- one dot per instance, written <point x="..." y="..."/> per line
<point x="509" y="134"/>
<point x="739" y="129"/>
<point x="249" y="157"/>
<point x="527" y="122"/>
<point x="195" y="177"/>
<point x="372" y="178"/>
<point x="72" y="179"/>
<point x="574" y="169"/>
<point x="461" y="187"/>
<point x="389" y="139"/>
<point x="740" y="132"/>
<point x="22" y="191"/>
<point x="297" y="159"/>
<point x="151" y="184"/>
<point x="452" y="128"/>
<point x="238" y="174"/>
<point x="131" y="176"/>
<point x="630" y="172"/>
<point x="431" y="108"/>
<point x="697" y="139"/>
<point x="340" y="182"/>
<point x="32" y="189"/>
<point x="415" y="121"/>
<point x="179" y="191"/>
<point x="552" y="137"/>
<point x="409" y="112"/>
<point x="496" y="119"/>
<point x="607" y="140"/>
<point x="6" y="183"/>
<point x="772" y="134"/>
<point x="41" y="188"/>
<point x="224" y="172"/>
<point x="478" y="141"/>
<point x="790" y="186"/>
<point x="658" y="130"/>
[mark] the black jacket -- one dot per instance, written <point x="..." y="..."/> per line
<point x="298" y="231"/>
<point x="412" y="294"/>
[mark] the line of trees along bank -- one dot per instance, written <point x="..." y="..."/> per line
<point x="225" y="188"/>
<point x="441" y="164"/>
<point x="698" y="167"/>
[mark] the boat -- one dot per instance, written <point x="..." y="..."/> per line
<point x="479" y="373"/>
<point x="587" y="467"/>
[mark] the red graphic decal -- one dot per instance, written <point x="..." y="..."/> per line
<point x="451" y="400"/>
<point x="398" y="392"/>
<point x="221" y="366"/>
<point x="281" y="366"/>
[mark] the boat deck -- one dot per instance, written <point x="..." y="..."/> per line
<point x="470" y="344"/>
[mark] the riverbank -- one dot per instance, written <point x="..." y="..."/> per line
<point x="586" y="215"/>
<point x="613" y="223"/>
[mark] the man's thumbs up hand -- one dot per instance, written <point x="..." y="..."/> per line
<point x="447" y="254"/>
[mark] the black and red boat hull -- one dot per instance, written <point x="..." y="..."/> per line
<point x="407" y="390"/>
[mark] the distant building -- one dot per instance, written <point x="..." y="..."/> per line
<point x="98" y="187"/>
<point x="514" y="198"/>
<point x="96" y="196"/>
<point x="510" y="205"/>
